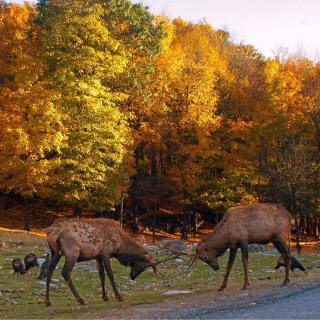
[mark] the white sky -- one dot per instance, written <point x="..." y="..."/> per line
<point x="266" y="24"/>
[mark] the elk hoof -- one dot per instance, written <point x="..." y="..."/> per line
<point x="81" y="302"/>
<point x="48" y="304"/>
<point x="246" y="286"/>
<point x="120" y="298"/>
<point x="221" y="288"/>
<point x="105" y="298"/>
<point x="285" y="282"/>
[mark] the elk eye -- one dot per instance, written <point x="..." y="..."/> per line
<point x="205" y="258"/>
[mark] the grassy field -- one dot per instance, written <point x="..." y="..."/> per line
<point x="23" y="296"/>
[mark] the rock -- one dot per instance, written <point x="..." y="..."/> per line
<point x="176" y="245"/>
<point x="178" y="260"/>
<point x="44" y="284"/>
<point x="273" y="251"/>
<point x="255" y="247"/>
<point x="41" y="261"/>
<point x="172" y="292"/>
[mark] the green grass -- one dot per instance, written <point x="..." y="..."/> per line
<point x="23" y="295"/>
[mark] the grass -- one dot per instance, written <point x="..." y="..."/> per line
<point x="23" y="295"/>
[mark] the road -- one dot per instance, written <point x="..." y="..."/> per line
<point x="298" y="300"/>
<point x="303" y="305"/>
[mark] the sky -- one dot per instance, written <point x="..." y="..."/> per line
<point x="266" y="24"/>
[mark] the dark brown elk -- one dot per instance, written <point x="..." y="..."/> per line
<point x="295" y="264"/>
<point x="257" y="223"/>
<point x="99" y="239"/>
<point x="44" y="268"/>
<point x="31" y="261"/>
<point x="18" y="266"/>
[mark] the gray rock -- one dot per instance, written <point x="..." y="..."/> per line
<point x="255" y="247"/>
<point x="176" y="245"/>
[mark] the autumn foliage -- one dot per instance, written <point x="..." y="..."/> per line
<point x="103" y="104"/>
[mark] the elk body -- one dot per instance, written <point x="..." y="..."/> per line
<point x="240" y="226"/>
<point x="99" y="239"/>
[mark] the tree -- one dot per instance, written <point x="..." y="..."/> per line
<point x="83" y="58"/>
<point x="30" y="123"/>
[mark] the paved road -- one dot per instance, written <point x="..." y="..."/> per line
<point x="299" y="300"/>
<point x="303" y="305"/>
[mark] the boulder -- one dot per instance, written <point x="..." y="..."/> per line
<point x="176" y="245"/>
<point x="255" y="247"/>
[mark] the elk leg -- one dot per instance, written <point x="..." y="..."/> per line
<point x="102" y="279"/>
<point x="281" y="247"/>
<point x="232" y="256"/>
<point x="66" y="273"/>
<point x="55" y="257"/>
<point x="107" y="265"/>
<point x="245" y="258"/>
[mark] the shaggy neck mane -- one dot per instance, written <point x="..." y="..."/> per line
<point x="129" y="251"/>
<point x="217" y="239"/>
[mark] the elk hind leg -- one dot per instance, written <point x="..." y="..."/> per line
<point x="102" y="279"/>
<point x="232" y="256"/>
<point x="66" y="273"/>
<point x="107" y="265"/>
<point x="283" y="250"/>
<point x="55" y="257"/>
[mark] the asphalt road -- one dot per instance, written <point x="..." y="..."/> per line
<point x="299" y="300"/>
<point x="303" y="305"/>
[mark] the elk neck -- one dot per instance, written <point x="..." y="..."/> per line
<point x="217" y="240"/>
<point x="129" y="251"/>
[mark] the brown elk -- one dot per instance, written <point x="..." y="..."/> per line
<point x="99" y="239"/>
<point x="242" y="225"/>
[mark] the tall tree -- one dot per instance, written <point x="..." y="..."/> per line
<point x="83" y="58"/>
<point x="30" y="123"/>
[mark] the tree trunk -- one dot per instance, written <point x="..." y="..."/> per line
<point x="26" y="214"/>
<point x="295" y="213"/>
<point x="302" y="226"/>
<point x="122" y="196"/>
<point x="77" y="212"/>
<point x="309" y="228"/>
<point x="315" y="227"/>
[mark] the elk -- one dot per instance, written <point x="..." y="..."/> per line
<point x="99" y="239"/>
<point x="295" y="264"/>
<point x="31" y="261"/>
<point x="18" y="266"/>
<point x="44" y="268"/>
<point x="242" y="225"/>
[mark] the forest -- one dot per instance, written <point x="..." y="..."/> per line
<point x="108" y="110"/>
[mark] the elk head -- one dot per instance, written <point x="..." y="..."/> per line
<point x="208" y="255"/>
<point x="141" y="263"/>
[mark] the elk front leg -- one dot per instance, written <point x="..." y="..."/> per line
<point x="102" y="279"/>
<point x="107" y="265"/>
<point x="55" y="257"/>
<point x="232" y="256"/>
<point x="245" y="258"/>
<point x="66" y="273"/>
